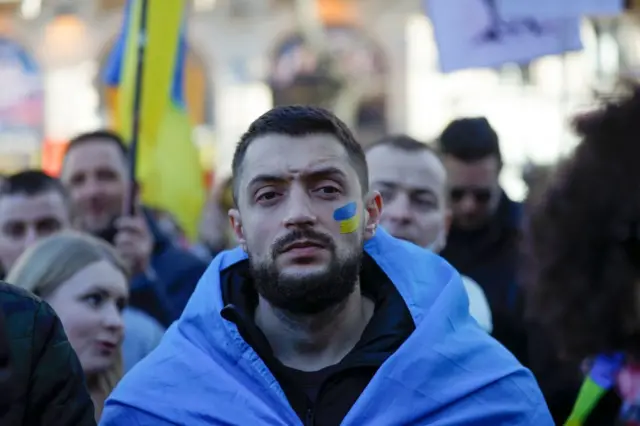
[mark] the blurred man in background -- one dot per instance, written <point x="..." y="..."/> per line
<point x="34" y="205"/>
<point x="413" y="184"/>
<point x="95" y="172"/>
<point x="484" y="238"/>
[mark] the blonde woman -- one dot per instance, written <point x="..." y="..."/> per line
<point x="85" y="282"/>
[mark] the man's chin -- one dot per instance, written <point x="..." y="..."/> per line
<point x="306" y="287"/>
<point x="101" y="228"/>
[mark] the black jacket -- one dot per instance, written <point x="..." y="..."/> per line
<point x="41" y="380"/>
<point x="490" y="256"/>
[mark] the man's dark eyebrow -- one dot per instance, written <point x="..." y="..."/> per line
<point x="424" y="191"/>
<point x="326" y="171"/>
<point x="418" y="191"/>
<point x="266" y="178"/>
<point x="384" y="183"/>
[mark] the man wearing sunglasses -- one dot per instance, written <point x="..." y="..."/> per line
<point x="485" y="230"/>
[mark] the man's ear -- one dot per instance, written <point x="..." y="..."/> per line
<point x="373" y="207"/>
<point x="236" y="224"/>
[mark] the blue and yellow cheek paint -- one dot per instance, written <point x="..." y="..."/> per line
<point x="348" y="218"/>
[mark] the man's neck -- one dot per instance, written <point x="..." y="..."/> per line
<point x="311" y="343"/>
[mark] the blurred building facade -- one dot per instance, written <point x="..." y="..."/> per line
<point x="248" y="55"/>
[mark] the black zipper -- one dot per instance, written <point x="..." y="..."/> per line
<point x="309" y="420"/>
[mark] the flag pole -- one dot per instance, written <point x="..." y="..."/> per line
<point x="130" y="204"/>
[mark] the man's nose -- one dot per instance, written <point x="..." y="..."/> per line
<point x="299" y="209"/>
<point x="88" y="188"/>
<point x="398" y="209"/>
<point x="30" y="236"/>
<point x="468" y="204"/>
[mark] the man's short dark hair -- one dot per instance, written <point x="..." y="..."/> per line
<point x="103" y="135"/>
<point x="301" y="121"/>
<point x="31" y="183"/>
<point x="401" y="142"/>
<point x="470" y="139"/>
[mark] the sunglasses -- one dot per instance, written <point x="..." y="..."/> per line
<point x="481" y="195"/>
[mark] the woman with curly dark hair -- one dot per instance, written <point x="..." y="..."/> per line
<point x="585" y="241"/>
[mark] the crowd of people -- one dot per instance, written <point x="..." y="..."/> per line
<point x="331" y="284"/>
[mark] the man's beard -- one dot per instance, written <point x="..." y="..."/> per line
<point x="312" y="293"/>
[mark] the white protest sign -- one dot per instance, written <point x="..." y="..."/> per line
<point x="554" y="9"/>
<point x="473" y="34"/>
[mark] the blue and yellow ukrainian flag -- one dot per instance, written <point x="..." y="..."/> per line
<point x="348" y="218"/>
<point x="168" y="166"/>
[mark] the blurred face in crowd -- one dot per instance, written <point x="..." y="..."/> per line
<point x="90" y="307"/>
<point x="413" y="188"/>
<point x="24" y="219"/>
<point x="95" y="175"/>
<point x="289" y="189"/>
<point x="474" y="191"/>
<point x="215" y="231"/>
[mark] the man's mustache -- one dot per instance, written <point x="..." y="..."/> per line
<point x="282" y="243"/>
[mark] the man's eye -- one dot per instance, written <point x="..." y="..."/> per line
<point x="267" y="196"/>
<point x="329" y="190"/>
<point x="425" y="203"/>
<point x="16" y="230"/>
<point x="48" y="226"/>
<point x="77" y="180"/>
<point x="387" y="195"/>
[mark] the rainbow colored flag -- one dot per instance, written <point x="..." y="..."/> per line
<point x="168" y="166"/>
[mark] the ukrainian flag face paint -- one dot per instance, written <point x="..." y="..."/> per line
<point x="348" y="218"/>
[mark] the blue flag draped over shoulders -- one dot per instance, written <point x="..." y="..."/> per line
<point x="448" y="372"/>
